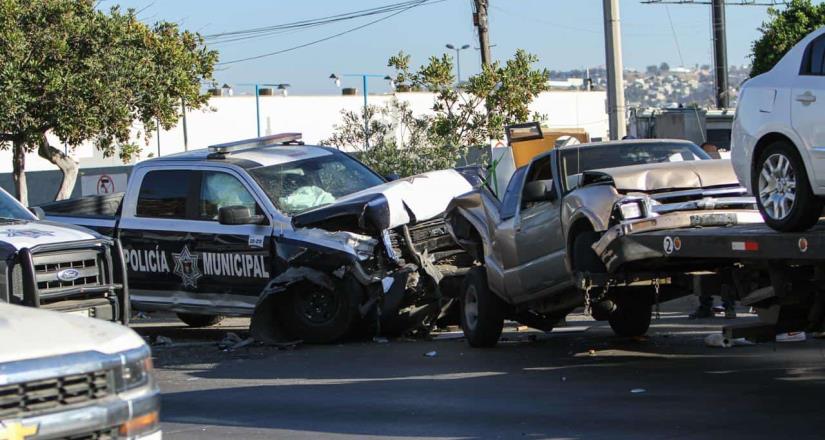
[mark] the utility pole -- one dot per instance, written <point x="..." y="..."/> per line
<point x="720" y="54"/>
<point x="615" y="70"/>
<point x="480" y="22"/>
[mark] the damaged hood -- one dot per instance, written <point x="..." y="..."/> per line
<point x="409" y="200"/>
<point x="666" y="176"/>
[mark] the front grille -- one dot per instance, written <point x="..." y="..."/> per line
<point x="431" y="235"/>
<point x="103" y="434"/>
<point x="48" y="267"/>
<point x="396" y="241"/>
<point x="40" y="396"/>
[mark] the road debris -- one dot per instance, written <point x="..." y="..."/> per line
<point x="431" y="354"/>
<point x="791" y="337"/>
<point x="380" y="340"/>
<point x="719" y="340"/>
<point x="160" y="340"/>
<point x="638" y="390"/>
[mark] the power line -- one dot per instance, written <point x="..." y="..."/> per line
<point x="729" y="2"/>
<point x="327" y="38"/>
<point x="675" y="37"/>
<point x="266" y="31"/>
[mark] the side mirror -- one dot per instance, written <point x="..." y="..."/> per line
<point x="38" y="212"/>
<point x="392" y="177"/>
<point x="238" y="215"/>
<point x="539" y="191"/>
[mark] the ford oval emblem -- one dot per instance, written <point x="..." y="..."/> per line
<point x="68" y="275"/>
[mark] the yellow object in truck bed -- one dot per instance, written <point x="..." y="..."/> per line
<point x="529" y="140"/>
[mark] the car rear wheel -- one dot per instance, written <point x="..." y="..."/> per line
<point x="783" y="190"/>
<point x="193" y="320"/>
<point x="482" y="312"/>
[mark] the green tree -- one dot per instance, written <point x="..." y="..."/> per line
<point x="408" y="144"/>
<point x="88" y="75"/>
<point x="783" y="29"/>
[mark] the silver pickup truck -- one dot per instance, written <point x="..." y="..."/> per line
<point x="541" y="248"/>
<point x="64" y="376"/>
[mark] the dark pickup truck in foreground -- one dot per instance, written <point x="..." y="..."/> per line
<point x="59" y="267"/>
<point x="307" y="240"/>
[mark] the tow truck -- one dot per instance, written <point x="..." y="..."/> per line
<point x="789" y="267"/>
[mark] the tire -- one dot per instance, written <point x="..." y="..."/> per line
<point x="482" y="312"/>
<point x="601" y="311"/>
<point x="779" y="173"/>
<point x="196" y="321"/>
<point x="316" y="315"/>
<point x="584" y="257"/>
<point x="632" y="314"/>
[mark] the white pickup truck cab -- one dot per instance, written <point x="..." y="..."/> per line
<point x="65" y="376"/>
<point x="778" y="138"/>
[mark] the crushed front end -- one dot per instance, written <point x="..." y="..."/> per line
<point x="635" y="213"/>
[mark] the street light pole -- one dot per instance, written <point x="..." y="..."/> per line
<point x="364" y="77"/>
<point x="458" y="58"/>
<point x="258" y="101"/>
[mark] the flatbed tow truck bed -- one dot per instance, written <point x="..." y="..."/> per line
<point x="732" y="243"/>
<point x="791" y="265"/>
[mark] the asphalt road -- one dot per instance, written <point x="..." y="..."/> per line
<point x="579" y="383"/>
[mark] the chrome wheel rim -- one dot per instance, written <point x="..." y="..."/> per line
<point x="471" y="307"/>
<point x="777" y="186"/>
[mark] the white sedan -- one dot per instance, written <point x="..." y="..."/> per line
<point x="778" y="139"/>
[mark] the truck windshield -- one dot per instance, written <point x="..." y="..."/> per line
<point x="578" y="160"/>
<point x="11" y="209"/>
<point x="299" y="186"/>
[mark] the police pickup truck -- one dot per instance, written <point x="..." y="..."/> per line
<point x="59" y="267"/>
<point x="305" y="239"/>
<point x="72" y="377"/>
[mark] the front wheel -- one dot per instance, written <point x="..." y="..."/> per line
<point x="783" y="190"/>
<point x="631" y="316"/>
<point x="482" y="312"/>
<point x="317" y="315"/>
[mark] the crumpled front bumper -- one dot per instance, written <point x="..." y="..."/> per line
<point x="615" y="254"/>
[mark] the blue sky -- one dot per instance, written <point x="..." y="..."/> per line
<point x="565" y="34"/>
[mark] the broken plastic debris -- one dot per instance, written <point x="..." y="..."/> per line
<point x="718" y="340"/>
<point x="386" y="283"/>
<point x="790" y="337"/>
<point x="638" y="390"/>
<point x="431" y="354"/>
<point x="140" y="315"/>
<point x="380" y="340"/>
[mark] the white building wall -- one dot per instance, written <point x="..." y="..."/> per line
<point x="233" y="118"/>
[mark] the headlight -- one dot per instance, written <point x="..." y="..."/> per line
<point x="135" y="373"/>
<point x="632" y="210"/>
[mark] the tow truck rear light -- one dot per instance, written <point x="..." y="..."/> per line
<point x="748" y="246"/>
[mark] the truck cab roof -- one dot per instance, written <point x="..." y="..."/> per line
<point x="250" y="153"/>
